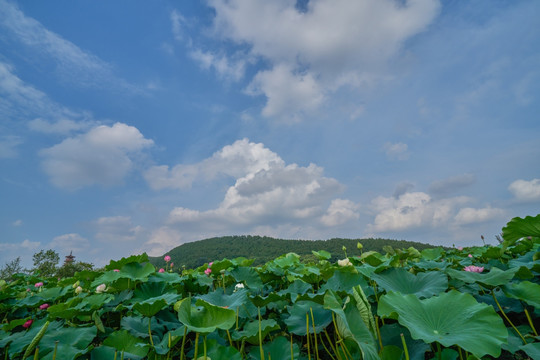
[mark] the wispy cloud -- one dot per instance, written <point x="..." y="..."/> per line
<point x="74" y="65"/>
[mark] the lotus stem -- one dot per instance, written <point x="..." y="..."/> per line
<point x="150" y="331"/>
<point x="404" y="346"/>
<point x="204" y="344"/>
<point x="530" y="321"/>
<point x="115" y="354"/>
<point x="332" y="344"/>
<point x="242" y="348"/>
<point x="506" y="317"/>
<point x="237" y="310"/>
<point x="36" y="353"/>
<point x="307" y="335"/>
<point x="56" y="348"/>
<point x="230" y="339"/>
<point x="460" y="354"/>
<point x="260" y="334"/>
<point x="196" y="345"/>
<point x="439" y="351"/>
<point x="122" y="355"/>
<point x="183" y="343"/>
<point x="292" y="353"/>
<point x="324" y="346"/>
<point x="378" y="332"/>
<point x="314" y="333"/>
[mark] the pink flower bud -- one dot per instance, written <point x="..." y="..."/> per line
<point x="208" y="271"/>
<point x="116" y="270"/>
<point x="470" y="255"/>
<point x="167" y="258"/>
<point x="39" y="284"/>
<point x="162" y="270"/>
<point x="27" y="324"/>
<point x="43" y="306"/>
<point x="211" y="262"/>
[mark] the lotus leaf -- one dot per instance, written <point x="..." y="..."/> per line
<point x="233" y="301"/>
<point x="451" y="318"/>
<point x="248" y="276"/>
<point x="423" y="285"/>
<point x="495" y="277"/>
<point x="122" y="340"/>
<point x="298" y="287"/>
<point x="250" y="331"/>
<point x="204" y="317"/>
<point x="138" y="325"/>
<point x="525" y="291"/>
<point x="279" y="348"/>
<point x="391" y="335"/>
<point x="322" y="254"/>
<point x="519" y="228"/>
<point x="532" y="349"/>
<point x="343" y="281"/>
<point x="71" y="342"/>
<point x="143" y="258"/>
<point x="296" y="322"/>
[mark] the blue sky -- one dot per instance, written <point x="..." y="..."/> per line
<point x="133" y="126"/>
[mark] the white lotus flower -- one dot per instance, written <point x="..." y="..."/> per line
<point x="344" y="262"/>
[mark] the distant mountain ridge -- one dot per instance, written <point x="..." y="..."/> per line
<point x="264" y="248"/>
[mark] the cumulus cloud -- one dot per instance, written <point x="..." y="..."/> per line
<point x="451" y="184"/>
<point x="412" y="210"/>
<point x="104" y="155"/>
<point x="314" y="51"/>
<point x="469" y="215"/>
<point x="67" y="243"/>
<point x="525" y="190"/>
<point x="162" y="240"/>
<point x="398" y="151"/>
<point x="339" y="212"/>
<point x="266" y="191"/>
<point x="225" y="68"/>
<point x="117" y="229"/>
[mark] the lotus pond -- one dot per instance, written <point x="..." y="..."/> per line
<point x="472" y="303"/>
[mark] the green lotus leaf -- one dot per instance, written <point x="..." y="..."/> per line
<point x="495" y="277"/>
<point x="248" y="276"/>
<point x="287" y="260"/>
<point x="391" y="335"/>
<point x="138" y="325"/>
<point x="296" y="322"/>
<point x="431" y="264"/>
<point x="94" y="301"/>
<point x="532" y="349"/>
<point x="343" y="280"/>
<point x="298" y="287"/>
<point x="143" y="258"/>
<point x="423" y="285"/>
<point x="72" y="342"/>
<point x="233" y="301"/>
<point x="525" y="291"/>
<point x="166" y="277"/>
<point x="392" y="352"/>
<point x="433" y="253"/>
<point x="204" y="317"/>
<point x="518" y="228"/>
<point x="451" y="318"/>
<point x="322" y="254"/>
<point x="122" y="340"/>
<point x="261" y="301"/>
<point x="18" y="341"/>
<point x="107" y="353"/>
<point x="162" y="347"/>
<point x="219" y="265"/>
<point x="351" y="326"/>
<point x="279" y="348"/>
<point x="151" y="297"/>
<point x="250" y="331"/>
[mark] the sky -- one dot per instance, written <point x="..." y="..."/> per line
<point x="136" y="126"/>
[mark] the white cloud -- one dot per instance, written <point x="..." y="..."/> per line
<point x="62" y="126"/>
<point x="224" y="67"/>
<point x="67" y="243"/>
<point x="412" y="210"/>
<point x="451" y="184"/>
<point x="288" y="93"/>
<point x="339" y="212"/>
<point x="114" y="229"/>
<point x="525" y="190"/>
<point x="72" y="63"/>
<point x="177" y="20"/>
<point x="161" y="240"/>
<point x="397" y="151"/>
<point x="266" y="190"/>
<point x="18" y="222"/>
<point x="104" y="155"/>
<point x="467" y="216"/>
<point x="8" y="146"/>
<point x="331" y="44"/>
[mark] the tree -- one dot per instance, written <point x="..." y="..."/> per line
<point x="11" y="268"/>
<point x="45" y="262"/>
<point x="70" y="268"/>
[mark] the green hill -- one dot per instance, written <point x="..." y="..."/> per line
<point x="263" y="249"/>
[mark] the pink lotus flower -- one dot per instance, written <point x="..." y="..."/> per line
<point x="460" y="248"/>
<point x="116" y="270"/>
<point x="210" y="265"/>
<point x="208" y="271"/>
<point x="470" y="255"/>
<point x="43" y="306"/>
<point x="39" y="284"/>
<point x="172" y="264"/>
<point x="162" y="270"/>
<point x="27" y="324"/>
<point x="167" y="258"/>
<point x="472" y="268"/>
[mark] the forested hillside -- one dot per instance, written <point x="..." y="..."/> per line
<point x="263" y="249"/>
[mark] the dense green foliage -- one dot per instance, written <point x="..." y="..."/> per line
<point x="472" y="303"/>
<point x="264" y="249"/>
